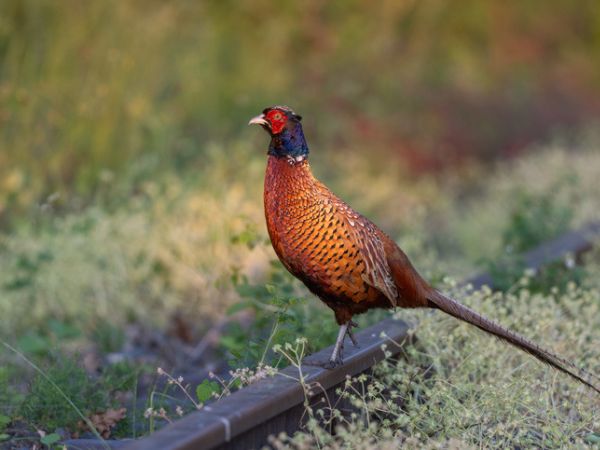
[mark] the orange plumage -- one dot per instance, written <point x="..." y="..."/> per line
<point x="338" y="253"/>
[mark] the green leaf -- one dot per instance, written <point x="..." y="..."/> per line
<point x="50" y="439"/>
<point x="593" y="438"/>
<point x="206" y="389"/>
<point x="63" y="330"/>
<point x="32" y="342"/>
<point x="232" y="344"/>
<point x="4" y="437"/>
<point x="271" y="289"/>
<point x="4" y="420"/>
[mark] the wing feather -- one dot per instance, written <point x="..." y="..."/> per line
<point x="377" y="271"/>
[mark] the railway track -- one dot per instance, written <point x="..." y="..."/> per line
<point x="273" y="405"/>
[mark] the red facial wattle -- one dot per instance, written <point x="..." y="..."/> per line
<point x="277" y="119"/>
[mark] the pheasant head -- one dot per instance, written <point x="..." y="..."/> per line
<point x="285" y="129"/>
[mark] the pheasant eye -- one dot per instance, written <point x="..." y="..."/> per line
<point x="277" y="116"/>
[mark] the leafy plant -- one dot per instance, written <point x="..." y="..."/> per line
<point x="535" y="218"/>
<point x="46" y="407"/>
<point x="4" y="421"/>
<point x="280" y="315"/>
<point x="121" y="377"/>
<point x="50" y="439"/>
<point x="206" y="390"/>
<point x="108" y="337"/>
<point x="25" y="268"/>
<point x="10" y="399"/>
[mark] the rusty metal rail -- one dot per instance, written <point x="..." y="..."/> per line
<point x="245" y="419"/>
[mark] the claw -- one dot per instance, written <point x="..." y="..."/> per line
<point x="332" y="364"/>
<point x="328" y="364"/>
<point x="338" y="349"/>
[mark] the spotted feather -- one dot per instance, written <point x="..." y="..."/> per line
<point x="377" y="271"/>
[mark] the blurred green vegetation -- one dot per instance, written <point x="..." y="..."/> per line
<point x="533" y="220"/>
<point x="88" y="89"/>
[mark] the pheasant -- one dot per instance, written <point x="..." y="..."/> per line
<point x="341" y="256"/>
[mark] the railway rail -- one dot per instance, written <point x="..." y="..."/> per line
<point x="247" y="418"/>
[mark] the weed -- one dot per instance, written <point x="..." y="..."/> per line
<point x="535" y="218"/>
<point x="120" y="377"/>
<point x="108" y="337"/>
<point x="463" y="389"/>
<point x="281" y="313"/>
<point x="10" y="398"/>
<point x="165" y="405"/>
<point x="46" y="407"/>
<point x="279" y="316"/>
<point x="64" y="396"/>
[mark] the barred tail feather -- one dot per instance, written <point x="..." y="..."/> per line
<point x="456" y="309"/>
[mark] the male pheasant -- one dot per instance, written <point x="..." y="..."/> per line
<point x="341" y="256"/>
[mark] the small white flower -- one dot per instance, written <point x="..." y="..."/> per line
<point x="569" y="262"/>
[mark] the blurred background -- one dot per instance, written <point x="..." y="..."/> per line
<point x="92" y="91"/>
<point x="131" y="186"/>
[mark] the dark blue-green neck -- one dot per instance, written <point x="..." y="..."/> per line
<point x="289" y="143"/>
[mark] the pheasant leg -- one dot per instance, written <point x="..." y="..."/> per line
<point x="351" y="325"/>
<point x="336" y="358"/>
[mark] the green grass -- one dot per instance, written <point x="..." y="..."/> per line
<point x="63" y="395"/>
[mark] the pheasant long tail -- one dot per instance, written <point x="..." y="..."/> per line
<point x="455" y="309"/>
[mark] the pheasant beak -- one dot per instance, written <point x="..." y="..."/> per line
<point x="259" y="120"/>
